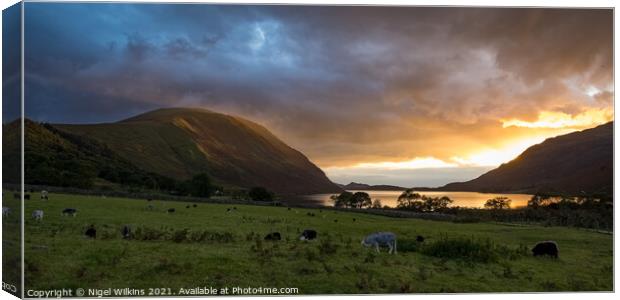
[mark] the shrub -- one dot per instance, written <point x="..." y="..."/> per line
<point x="260" y="194"/>
<point x="370" y="257"/>
<point x="180" y="235"/>
<point x="150" y="234"/>
<point x="406" y="245"/>
<point x="470" y="249"/>
<point x="327" y="246"/>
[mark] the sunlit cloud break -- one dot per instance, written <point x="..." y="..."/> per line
<point x="416" y="163"/>
<point x="550" y="119"/>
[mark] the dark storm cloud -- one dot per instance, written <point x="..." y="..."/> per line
<point x="342" y="84"/>
<point x="11" y="58"/>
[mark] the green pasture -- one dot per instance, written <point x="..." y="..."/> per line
<point x="209" y="246"/>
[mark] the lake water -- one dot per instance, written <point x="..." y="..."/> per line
<point x="463" y="199"/>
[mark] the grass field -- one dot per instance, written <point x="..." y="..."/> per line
<point x="224" y="248"/>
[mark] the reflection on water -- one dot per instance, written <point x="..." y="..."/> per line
<point x="463" y="199"/>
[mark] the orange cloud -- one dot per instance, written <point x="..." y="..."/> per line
<point x="551" y="119"/>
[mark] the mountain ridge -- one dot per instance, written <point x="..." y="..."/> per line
<point x="576" y="163"/>
<point x="181" y="142"/>
<point x="368" y="187"/>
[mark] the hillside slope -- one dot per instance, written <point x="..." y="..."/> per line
<point x="575" y="163"/>
<point x="58" y="158"/>
<point x="181" y="142"/>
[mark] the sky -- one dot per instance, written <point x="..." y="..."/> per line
<point x="382" y="95"/>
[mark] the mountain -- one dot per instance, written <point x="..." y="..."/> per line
<point x="363" y="187"/>
<point x="575" y="163"/>
<point x="181" y="142"/>
<point x="57" y="158"/>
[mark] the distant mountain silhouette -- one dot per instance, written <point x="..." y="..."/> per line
<point x="363" y="186"/>
<point x="575" y="163"/>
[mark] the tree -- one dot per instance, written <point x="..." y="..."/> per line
<point x="539" y="200"/>
<point x="260" y="193"/>
<point x="498" y="203"/>
<point x="360" y="200"/>
<point x="408" y="199"/>
<point x="436" y="204"/>
<point x="376" y="204"/>
<point x="342" y="200"/>
<point x="200" y="186"/>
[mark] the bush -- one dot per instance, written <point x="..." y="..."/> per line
<point x="405" y="245"/>
<point x="260" y="194"/>
<point x="181" y="235"/>
<point x="327" y="246"/>
<point x="200" y="186"/>
<point x="471" y="250"/>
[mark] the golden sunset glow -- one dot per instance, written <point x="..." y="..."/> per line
<point x="488" y="157"/>
<point x="496" y="157"/>
<point x="550" y="119"/>
<point x="416" y="163"/>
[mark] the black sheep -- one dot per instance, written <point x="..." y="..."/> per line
<point x="69" y="212"/>
<point x="187" y="206"/>
<point x="308" y="234"/>
<point x="195" y="205"/>
<point x="274" y="236"/>
<point x="171" y="210"/>
<point x="419" y="239"/>
<point x="126" y="232"/>
<point x="91" y="232"/>
<point x="546" y="248"/>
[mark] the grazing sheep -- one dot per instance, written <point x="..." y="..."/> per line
<point x="353" y="219"/>
<point x="37" y="215"/>
<point x="419" y="239"/>
<point x="91" y="232"/>
<point x="546" y="248"/>
<point x="171" y="210"/>
<point x="308" y="235"/>
<point x="27" y="197"/>
<point x="310" y="214"/>
<point x="228" y="209"/>
<point x="335" y="220"/>
<point x="6" y="211"/>
<point x="149" y="200"/>
<point x="44" y="195"/>
<point x="195" y="205"/>
<point x="69" y="212"/>
<point x="288" y="208"/>
<point x="126" y="232"/>
<point x="381" y="238"/>
<point x="187" y="206"/>
<point x="274" y="236"/>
